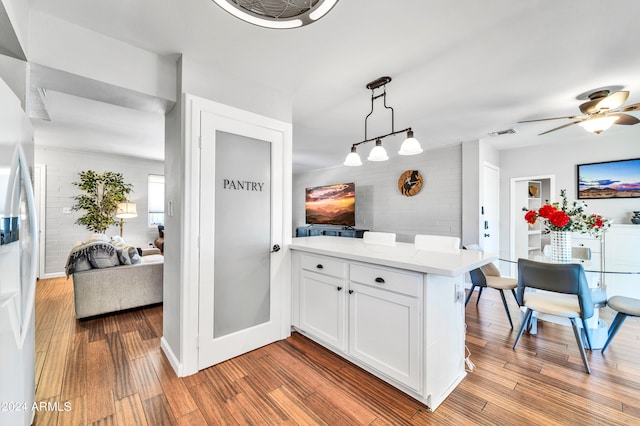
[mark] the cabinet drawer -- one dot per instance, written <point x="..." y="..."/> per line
<point x="388" y="279"/>
<point x="324" y="265"/>
<point x="593" y="244"/>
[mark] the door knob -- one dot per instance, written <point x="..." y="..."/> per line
<point x="486" y="235"/>
<point x="275" y="249"/>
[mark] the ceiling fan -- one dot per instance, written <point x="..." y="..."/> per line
<point x="599" y="112"/>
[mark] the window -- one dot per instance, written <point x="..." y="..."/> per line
<point x="156" y="200"/>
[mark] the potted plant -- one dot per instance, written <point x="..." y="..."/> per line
<point x="100" y="196"/>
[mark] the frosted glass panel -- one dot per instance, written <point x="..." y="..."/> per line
<point x="242" y="233"/>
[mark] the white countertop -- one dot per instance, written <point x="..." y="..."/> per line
<point x="400" y="255"/>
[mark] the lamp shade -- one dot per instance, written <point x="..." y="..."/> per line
<point x="126" y="210"/>
<point x="353" y="159"/>
<point x="598" y="125"/>
<point x="378" y="153"/>
<point x="410" y="146"/>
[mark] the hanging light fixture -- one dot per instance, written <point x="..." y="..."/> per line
<point x="280" y="14"/>
<point x="410" y="146"/>
<point x="599" y="124"/>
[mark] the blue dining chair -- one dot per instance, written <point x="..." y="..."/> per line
<point x="566" y="294"/>
<point x="626" y="307"/>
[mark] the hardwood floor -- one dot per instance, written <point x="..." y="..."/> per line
<point x="110" y="370"/>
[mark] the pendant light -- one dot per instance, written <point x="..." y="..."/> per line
<point x="378" y="153"/>
<point x="353" y="159"/>
<point x="410" y="146"/>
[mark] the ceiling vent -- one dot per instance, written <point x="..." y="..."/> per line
<point x="503" y="132"/>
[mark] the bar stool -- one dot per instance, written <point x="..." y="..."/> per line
<point x="626" y="307"/>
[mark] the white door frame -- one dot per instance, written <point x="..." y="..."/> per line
<point x="190" y="258"/>
<point x="40" y="192"/>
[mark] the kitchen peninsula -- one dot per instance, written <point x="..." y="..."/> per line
<point x="394" y="310"/>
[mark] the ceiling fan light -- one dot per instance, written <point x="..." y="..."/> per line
<point x="410" y="146"/>
<point x="353" y="159"/>
<point x="598" y="125"/>
<point x="378" y="153"/>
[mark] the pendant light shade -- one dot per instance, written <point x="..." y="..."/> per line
<point x="598" y="125"/>
<point x="353" y="159"/>
<point x="378" y="153"/>
<point x="410" y="146"/>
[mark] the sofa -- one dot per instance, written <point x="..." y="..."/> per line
<point x="108" y="277"/>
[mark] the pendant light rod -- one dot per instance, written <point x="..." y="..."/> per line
<point x="408" y="129"/>
<point x="373" y="85"/>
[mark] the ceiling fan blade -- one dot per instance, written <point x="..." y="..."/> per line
<point x="570" y="117"/>
<point x="610" y="102"/>
<point x="614" y="100"/>
<point x="561" y="127"/>
<point x="625" y="119"/>
<point x="632" y="107"/>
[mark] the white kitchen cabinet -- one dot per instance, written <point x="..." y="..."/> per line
<point x="400" y="312"/>
<point x="322" y="299"/>
<point x="385" y="327"/>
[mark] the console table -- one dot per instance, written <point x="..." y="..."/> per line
<point x="332" y="231"/>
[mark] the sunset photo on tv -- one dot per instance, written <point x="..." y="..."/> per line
<point x="331" y="204"/>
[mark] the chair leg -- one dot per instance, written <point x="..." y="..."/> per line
<point x="586" y="333"/>
<point x="469" y="295"/>
<point x="506" y="308"/>
<point x="479" y="294"/>
<point x="523" y="324"/>
<point x="515" y="296"/>
<point x="583" y="354"/>
<point x="613" y="330"/>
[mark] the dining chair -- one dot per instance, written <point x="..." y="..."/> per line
<point x="626" y="307"/>
<point x="381" y="238"/>
<point x="489" y="276"/>
<point x="437" y="242"/>
<point x="566" y="294"/>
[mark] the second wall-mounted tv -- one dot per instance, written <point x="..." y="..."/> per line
<point x="609" y="179"/>
<point x="331" y="204"/>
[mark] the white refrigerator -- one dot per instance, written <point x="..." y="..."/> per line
<point x="18" y="258"/>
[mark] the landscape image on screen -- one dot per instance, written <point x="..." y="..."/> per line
<point x="612" y="179"/>
<point x="331" y="205"/>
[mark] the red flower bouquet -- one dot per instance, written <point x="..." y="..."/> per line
<point x="562" y="217"/>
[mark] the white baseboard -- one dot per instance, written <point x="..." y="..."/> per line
<point x="52" y="275"/>
<point x="173" y="360"/>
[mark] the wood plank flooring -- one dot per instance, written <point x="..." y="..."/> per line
<point x="110" y="371"/>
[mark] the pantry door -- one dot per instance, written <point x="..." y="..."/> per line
<point x="240" y="306"/>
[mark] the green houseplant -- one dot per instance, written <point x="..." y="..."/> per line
<point x="100" y="196"/>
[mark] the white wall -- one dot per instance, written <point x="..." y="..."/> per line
<point x="62" y="169"/>
<point x="58" y="44"/>
<point x="560" y="159"/>
<point x="436" y="209"/>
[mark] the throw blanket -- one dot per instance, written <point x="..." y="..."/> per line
<point x="100" y="254"/>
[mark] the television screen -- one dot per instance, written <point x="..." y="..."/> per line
<point x="610" y="179"/>
<point x="331" y="205"/>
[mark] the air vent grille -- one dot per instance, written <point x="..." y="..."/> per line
<point x="503" y="132"/>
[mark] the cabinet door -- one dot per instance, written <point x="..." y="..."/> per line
<point x="384" y="332"/>
<point x="322" y="308"/>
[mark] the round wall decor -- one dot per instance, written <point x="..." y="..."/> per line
<point x="410" y="183"/>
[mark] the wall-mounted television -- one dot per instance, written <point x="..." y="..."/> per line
<point x="609" y="179"/>
<point x="331" y="205"/>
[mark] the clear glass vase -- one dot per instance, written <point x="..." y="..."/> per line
<point x="561" y="246"/>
